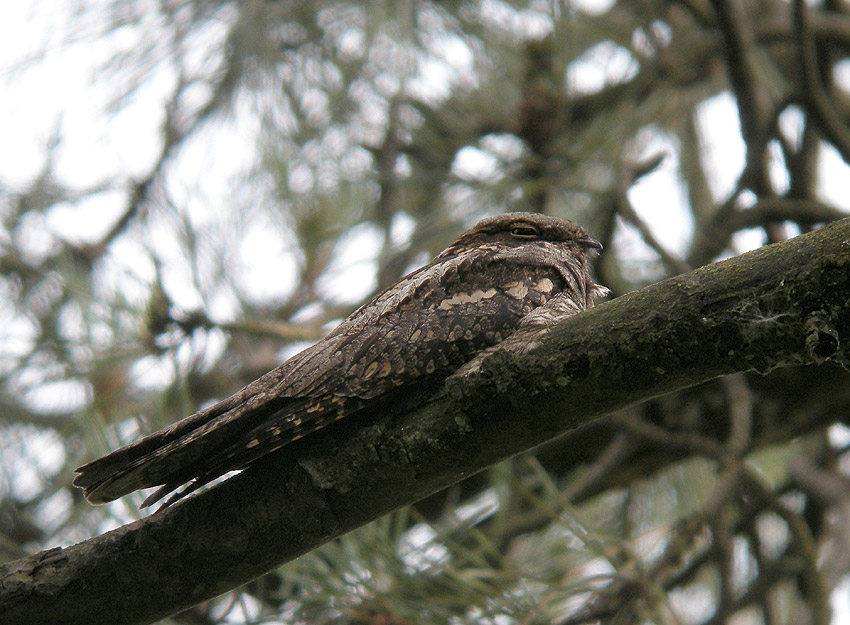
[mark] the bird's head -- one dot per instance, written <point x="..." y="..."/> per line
<point x="516" y="230"/>
<point x="534" y="239"/>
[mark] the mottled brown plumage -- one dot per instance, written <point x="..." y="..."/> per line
<point x="500" y="285"/>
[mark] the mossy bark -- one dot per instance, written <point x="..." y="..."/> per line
<point x="785" y="304"/>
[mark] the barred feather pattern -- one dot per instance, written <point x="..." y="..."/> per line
<point x="500" y="285"/>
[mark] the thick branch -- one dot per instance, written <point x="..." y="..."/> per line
<point x="781" y="305"/>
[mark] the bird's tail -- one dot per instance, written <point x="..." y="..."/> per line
<point x="169" y="457"/>
<point x="226" y="436"/>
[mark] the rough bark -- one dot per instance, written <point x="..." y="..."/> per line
<point x="784" y="304"/>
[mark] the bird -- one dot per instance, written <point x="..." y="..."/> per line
<point x="501" y="285"/>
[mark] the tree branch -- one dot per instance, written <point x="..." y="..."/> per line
<point x="781" y="305"/>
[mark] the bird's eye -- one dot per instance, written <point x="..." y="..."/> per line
<point x="524" y="231"/>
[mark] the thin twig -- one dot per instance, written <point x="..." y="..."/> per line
<point x="817" y="101"/>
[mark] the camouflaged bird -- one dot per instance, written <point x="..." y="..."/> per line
<point x="500" y="285"/>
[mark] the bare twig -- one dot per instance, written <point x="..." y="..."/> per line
<point x="817" y="101"/>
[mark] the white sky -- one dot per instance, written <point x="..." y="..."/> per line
<point x="61" y="92"/>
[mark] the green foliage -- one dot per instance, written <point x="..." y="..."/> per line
<point x="306" y="154"/>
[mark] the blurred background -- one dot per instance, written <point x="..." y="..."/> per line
<point x="192" y="191"/>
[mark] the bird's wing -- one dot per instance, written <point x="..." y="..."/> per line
<point x="414" y="334"/>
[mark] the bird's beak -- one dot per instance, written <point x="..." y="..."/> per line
<point x="590" y="242"/>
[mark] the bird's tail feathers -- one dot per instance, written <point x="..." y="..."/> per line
<point x="133" y="467"/>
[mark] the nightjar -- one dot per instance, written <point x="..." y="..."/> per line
<point x="500" y="285"/>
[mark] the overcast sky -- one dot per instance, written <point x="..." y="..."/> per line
<point x="58" y="92"/>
